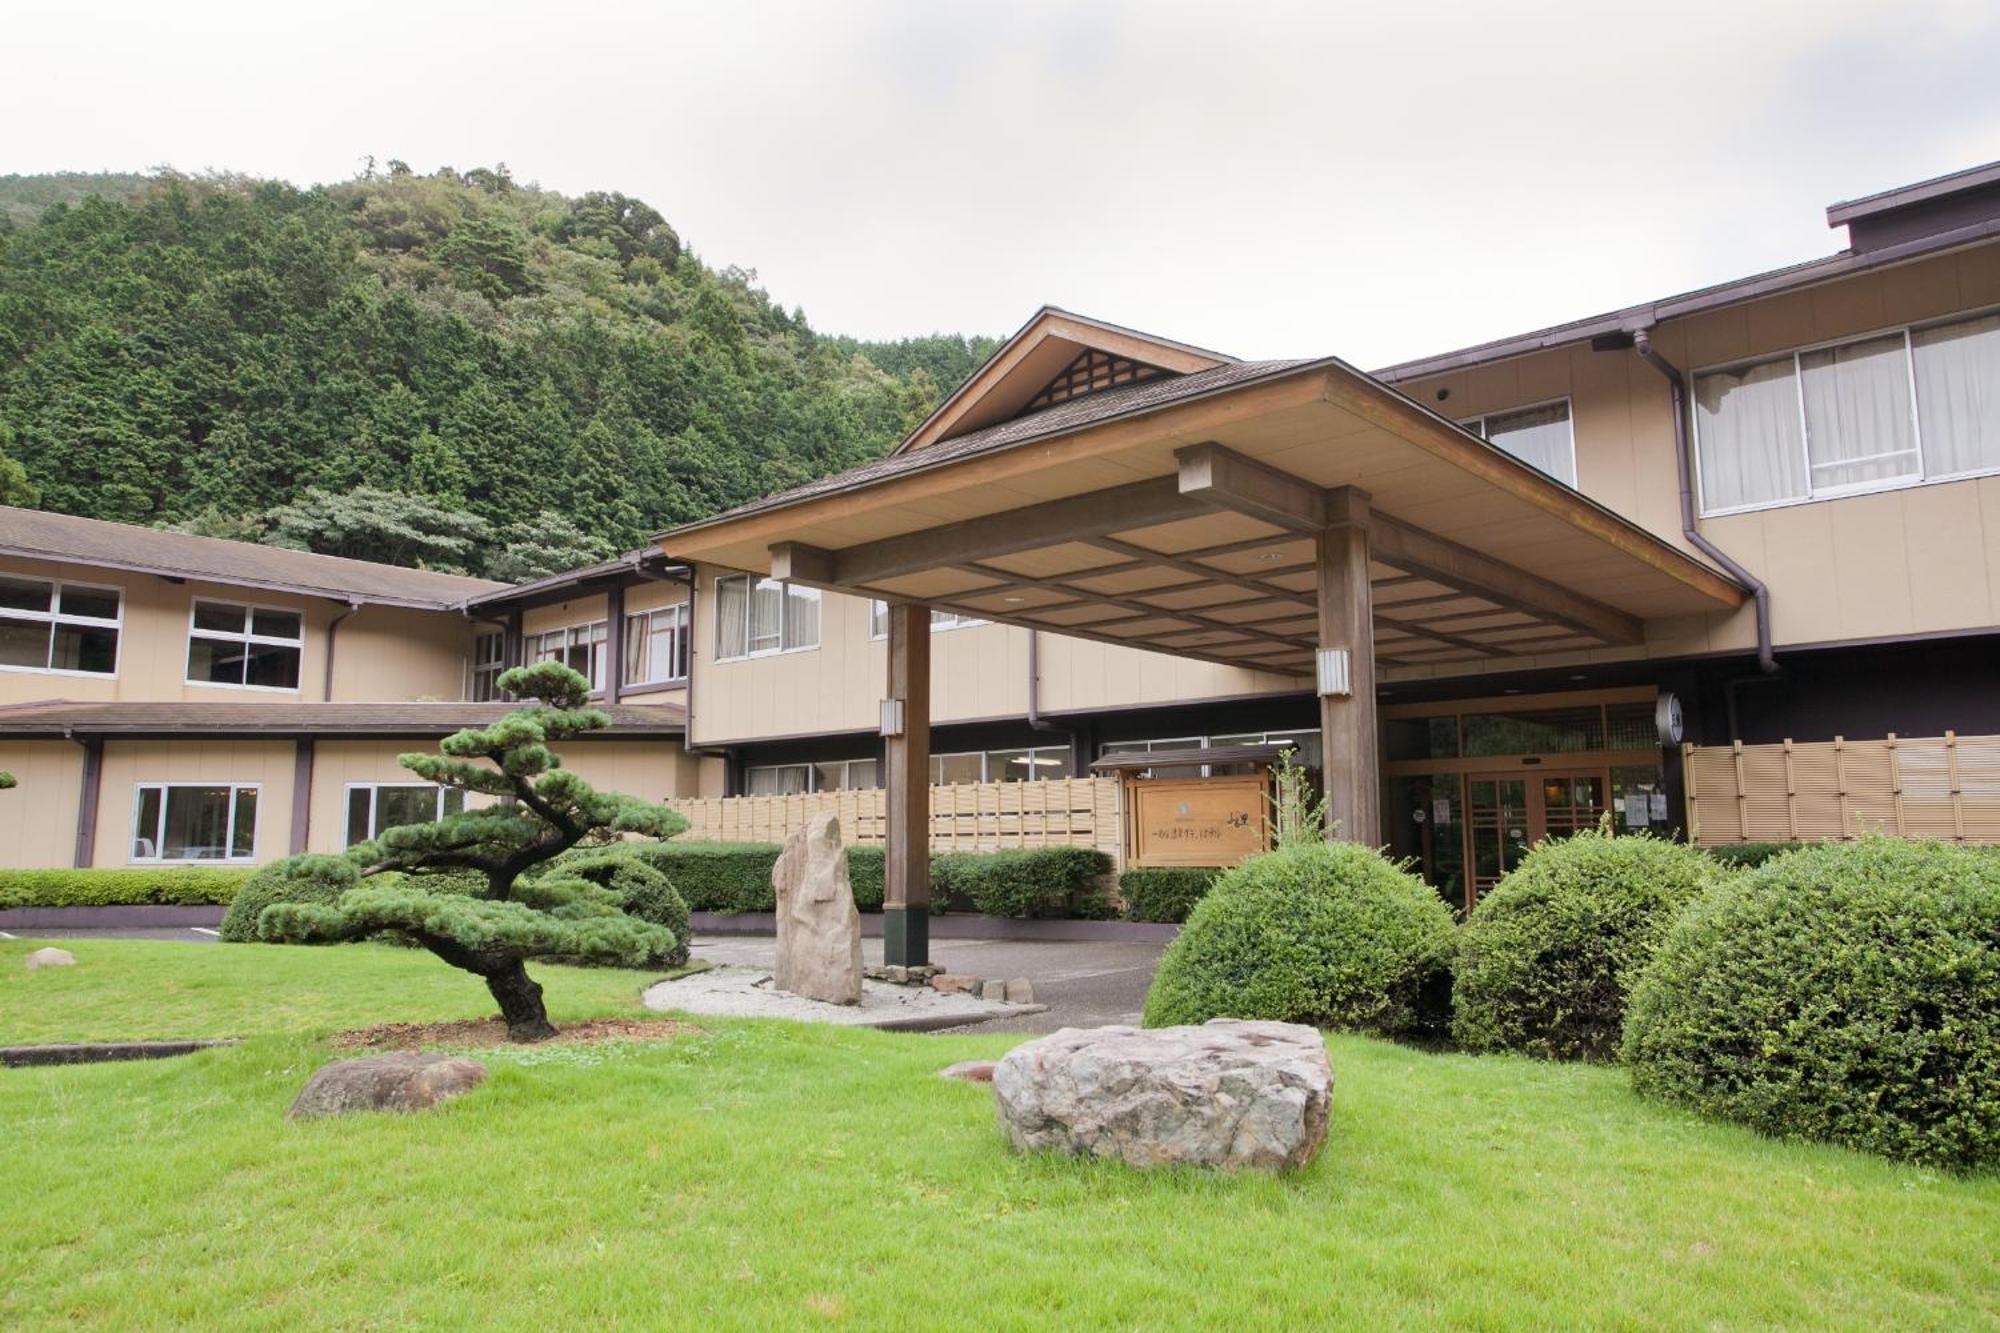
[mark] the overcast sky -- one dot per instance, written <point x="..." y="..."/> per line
<point x="1373" y="181"/>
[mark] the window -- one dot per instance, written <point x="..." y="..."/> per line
<point x="878" y="620"/>
<point x="488" y="660"/>
<point x="194" y="822"/>
<point x="375" y="806"/>
<point x="1866" y="414"/>
<point x="47" y="626"/>
<point x="1539" y="436"/>
<point x="656" y="645"/>
<point x="581" y="648"/>
<point x="1304" y="746"/>
<point x="1041" y="762"/>
<point x="764" y="616"/>
<point x="251" y="647"/>
<point x="797" y="779"/>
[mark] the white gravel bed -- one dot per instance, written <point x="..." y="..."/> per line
<point x="748" y="992"/>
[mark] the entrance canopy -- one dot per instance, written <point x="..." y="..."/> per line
<point x="1157" y="497"/>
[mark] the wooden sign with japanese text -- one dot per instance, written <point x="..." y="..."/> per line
<point x="1197" y="821"/>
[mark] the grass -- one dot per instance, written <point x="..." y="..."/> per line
<point x="769" y="1175"/>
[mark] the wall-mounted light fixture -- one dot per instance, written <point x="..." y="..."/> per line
<point x="892" y="717"/>
<point x="1335" y="674"/>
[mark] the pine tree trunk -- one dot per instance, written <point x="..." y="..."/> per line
<point x="520" y="1001"/>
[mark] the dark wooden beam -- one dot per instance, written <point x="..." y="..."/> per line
<point x="906" y="886"/>
<point x="1227" y="480"/>
<point x="1416" y="551"/>
<point x="1349" y="745"/>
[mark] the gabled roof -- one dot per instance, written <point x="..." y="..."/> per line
<point x="1047" y="349"/>
<point x="33" y="534"/>
<point x="61" y="717"/>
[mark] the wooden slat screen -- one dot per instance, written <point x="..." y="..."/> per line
<point x="1915" y="787"/>
<point x="967" y="817"/>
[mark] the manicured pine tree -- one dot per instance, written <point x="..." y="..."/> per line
<point x="493" y="930"/>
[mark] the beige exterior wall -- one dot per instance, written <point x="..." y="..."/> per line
<point x="1924" y="559"/>
<point x="269" y="764"/>
<point x="384" y="653"/>
<point x="38" y="818"/>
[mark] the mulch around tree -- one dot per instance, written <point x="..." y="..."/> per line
<point x="475" y="1032"/>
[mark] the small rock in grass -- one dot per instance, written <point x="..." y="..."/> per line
<point x="1020" y="991"/>
<point x="403" y="1081"/>
<point x="970" y="1071"/>
<point x="952" y="982"/>
<point x="993" y="990"/>
<point x="50" y="958"/>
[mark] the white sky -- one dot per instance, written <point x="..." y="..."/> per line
<point x="1374" y="181"/>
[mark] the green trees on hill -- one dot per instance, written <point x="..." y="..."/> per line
<point x="216" y="348"/>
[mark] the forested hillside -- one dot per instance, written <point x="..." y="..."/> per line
<point x="202" y="352"/>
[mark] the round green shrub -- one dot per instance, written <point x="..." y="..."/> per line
<point x="297" y="879"/>
<point x="642" y="892"/>
<point x="1328" y="933"/>
<point x="1546" y="960"/>
<point x="1848" y="992"/>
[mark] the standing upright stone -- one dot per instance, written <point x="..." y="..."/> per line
<point x="819" y="929"/>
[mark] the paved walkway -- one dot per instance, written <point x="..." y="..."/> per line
<point x="1083" y="983"/>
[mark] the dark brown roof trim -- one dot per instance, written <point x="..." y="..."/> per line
<point x="1844" y="264"/>
<point x="1902" y="196"/>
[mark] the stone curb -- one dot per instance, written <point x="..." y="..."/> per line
<point x="100" y="1052"/>
<point x="150" y="916"/>
<point x="953" y="926"/>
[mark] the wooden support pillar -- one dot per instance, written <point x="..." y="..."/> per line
<point x="1348" y="733"/>
<point x="90" y="788"/>
<point x="614" y="642"/>
<point x="906" y="897"/>
<point x="302" y="783"/>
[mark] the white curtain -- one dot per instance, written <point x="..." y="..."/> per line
<point x="1747" y="436"/>
<point x="801" y="617"/>
<point x="1858" y="423"/>
<point x="1539" y="437"/>
<point x="767" y="610"/>
<point x="1958" y="395"/>
<point x="732" y="611"/>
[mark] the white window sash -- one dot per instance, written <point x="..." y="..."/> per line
<point x="247" y="637"/>
<point x="158" y="833"/>
<point x="55" y="618"/>
<point x="784" y="623"/>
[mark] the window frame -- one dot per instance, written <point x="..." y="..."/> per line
<point x="530" y="646"/>
<point x="55" y="618"/>
<point x="1569" y="419"/>
<point x="812" y="768"/>
<point x="248" y="637"/>
<point x="1922" y="477"/>
<point x="478" y="668"/>
<point x="139" y="790"/>
<point x="752" y="583"/>
<point x="374" y="790"/>
<point x="879" y="609"/>
<point x="682" y="654"/>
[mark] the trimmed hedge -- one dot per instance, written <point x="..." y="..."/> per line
<point x="736" y="877"/>
<point x="643" y="891"/>
<point x="1750" y="855"/>
<point x="179" y="886"/>
<point x="1027" y="882"/>
<point x="1327" y="933"/>
<point x="271" y="886"/>
<point x="1166" y="893"/>
<point x="1848" y="992"/>
<point x="1546" y="960"/>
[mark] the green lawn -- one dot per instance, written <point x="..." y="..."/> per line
<point x="767" y="1175"/>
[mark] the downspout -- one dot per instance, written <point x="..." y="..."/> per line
<point x="332" y="639"/>
<point x="1642" y="343"/>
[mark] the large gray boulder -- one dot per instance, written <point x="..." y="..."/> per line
<point x="1228" y="1093"/>
<point x="402" y="1081"/>
<point x="819" y="928"/>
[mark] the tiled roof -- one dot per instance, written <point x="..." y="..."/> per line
<point x="1089" y="410"/>
<point x="36" y="535"/>
<point x="58" y="717"/>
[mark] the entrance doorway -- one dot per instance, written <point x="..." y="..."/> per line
<point x="1507" y="813"/>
